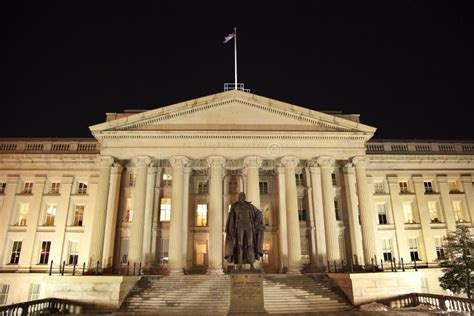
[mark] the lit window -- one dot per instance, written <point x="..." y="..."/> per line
<point x="16" y="250"/>
<point x="403" y="186"/>
<point x="453" y="186"/>
<point x="167" y="179"/>
<point x="382" y="212"/>
<point x="301" y="210"/>
<point x="337" y="210"/>
<point x="163" y="245"/>
<point x="28" y="188"/>
<point x="82" y="188"/>
<point x="201" y="253"/>
<point x="131" y="179"/>
<point x="201" y="215"/>
<point x="23" y="214"/>
<point x="439" y="241"/>
<point x="50" y="214"/>
<point x="266" y="252"/>
<point x="55" y="187"/>
<point x="128" y="216"/>
<point x="434" y="213"/>
<point x="428" y="186"/>
<point x="333" y="179"/>
<point x="387" y="249"/>
<point x="3" y="185"/>
<point x="458" y="213"/>
<point x="78" y="214"/>
<point x="379" y="187"/>
<point x="4" y="288"/>
<point x="124" y="251"/>
<point x="73" y="253"/>
<point x="44" y="254"/>
<point x="165" y="209"/>
<point x="409" y="214"/>
<point x="263" y="186"/>
<point x="413" y="243"/>
<point x="203" y="187"/>
<point x="33" y="293"/>
<point x="299" y="179"/>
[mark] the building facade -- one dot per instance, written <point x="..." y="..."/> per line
<point x="153" y="190"/>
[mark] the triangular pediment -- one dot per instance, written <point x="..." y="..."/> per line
<point x="232" y="111"/>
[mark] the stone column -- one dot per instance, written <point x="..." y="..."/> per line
<point x="251" y="165"/>
<point x="367" y="213"/>
<point x="216" y="172"/>
<point x="282" y="227"/>
<point x="353" y="214"/>
<point x="156" y="214"/>
<point x="398" y="219"/>
<point x="317" y="199"/>
<point x="187" y="173"/>
<point x="447" y="203"/>
<point x="331" y="226"/>
<point x="466" y="181"/>
<point x="294" y="242"/>
<point x="138" y="221"/>
<point x="311" y="230"/>
<point x="425" y="219"/>
<point x="147" y="258"/>
<point x="112" y="215"/>
<point x="100" y="211"/>
<point x="175" y="253"/>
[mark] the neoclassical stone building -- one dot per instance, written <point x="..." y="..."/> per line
<point x="154" y="188"/>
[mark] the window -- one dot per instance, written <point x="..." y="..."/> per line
<point x="23" y="214"/>
<point x="413" y="242"/>
<point x="428" y="186"/>
<point x="434" y="213"/>
<point x="201" y="215"/>
<point x="167" y="179"/>
<point x="33" y="293"/>
<point x="124" y="251"/>
<point x="232" y="186"/>
<point x="82" y="188"/>
<point x="337" y="210"/>
<point x="382" y="211"/>
<point x="73" y="253"/>
<point x="379" y="187"/>
<point x="131" y="179"/>
<point x="453" y="186"/>
<point x="439" y="247"/>
<point x="409" y="214"/>
<point x="201" y="253"/>
<point x="301" y="210"/>
<point x="78" y="214"/>
<point x="128" y="216"/>
<point x="163" y="245"/>
<point x="458" y="213"/>
<point x="50" y="214"/>
<point x="165" y="209"/>
<point x="387" y="249"/>
<point x="4" y="288"/>
<point x="55" y="187"/>
<point x="403" y="186"/>
<point x="44" y="255"/>
<point x="28" y="188"/>
<point x="263" y="186"/>
<point x="299" y="179"/>
<point x="203" y="187"/>
<point x="333" y="179"/>
<point x="16" y="250"/>
<point x="266" y="253"/>
<point x="3" y="185"/>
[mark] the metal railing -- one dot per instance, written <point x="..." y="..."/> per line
<point x="43" y="306"/>
<point x="442" y="302"/>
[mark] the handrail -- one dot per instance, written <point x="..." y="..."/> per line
<point x="442" y="302"/>
<point x="46" y="305"/>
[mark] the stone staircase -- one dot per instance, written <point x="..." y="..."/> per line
<point x="210" y="295"/>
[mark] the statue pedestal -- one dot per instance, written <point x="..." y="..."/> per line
<point x="246" y="293"/>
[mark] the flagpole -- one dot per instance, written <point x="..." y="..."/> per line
<point x="235" y="58"/>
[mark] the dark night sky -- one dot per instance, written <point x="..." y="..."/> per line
<point x="405" y="66"/>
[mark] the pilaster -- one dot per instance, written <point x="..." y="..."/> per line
<point x="466" y="181"/>
<point x="447" y="203"/>
<point x="403" y="250"/>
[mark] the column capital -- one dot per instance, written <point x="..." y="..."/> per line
<point x="289" y="161"/>
<point x="392" y="179"/>
<point x="466" y="178"/>
<point x="40" y="179"/>
<point x="417" y="178"/>
<point x="179" y="161"/>
<point x="187" y="170"/>
<point x="253" y="162"/>
<point x="117" y="168"/>
<point x="12" y="179"/>
<point x="279" y="169"/>
<point x="141" y="161"/>
<point x="314" y="170"/>
<point x="442" y="178"/>
<point x="360" y="161"/>
<point x="348" y="168"/>
<point x="105" y="161"/>
<point x="325" y="161"/>
<point x="151" y="169"/>
<point x="215" y="161"/>
<point x="67" y="179"/>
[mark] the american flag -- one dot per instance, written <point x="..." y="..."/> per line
<point x="229" y="37"/>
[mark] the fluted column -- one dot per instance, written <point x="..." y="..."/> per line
<point x="175" y="254"/>
<point x="311" y="230"/>
<point x="425" y="219"/>
<point x="98" y="224"/>
<point x="294" y="239"/>
<point x="187" y="173"/>
<point x="216" y="172"/>
<point x="112" y="214"/>
<point x="447" y="203"/>
<point x="317" y="201"/>
<point x="156" y="215"/>
<point x="251" y="165"/>
<point x="367" y="213"/>
<point x="135" y="251"/>
<point x="466" y="181"/>
<point x="147" y="256"/>
<point x="282" y="226"/>
<point x="331" y="228"/>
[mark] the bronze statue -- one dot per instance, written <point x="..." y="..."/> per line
<point x="244" y="233"/>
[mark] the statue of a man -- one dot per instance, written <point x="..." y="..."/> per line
<point x="244" y="233"/>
